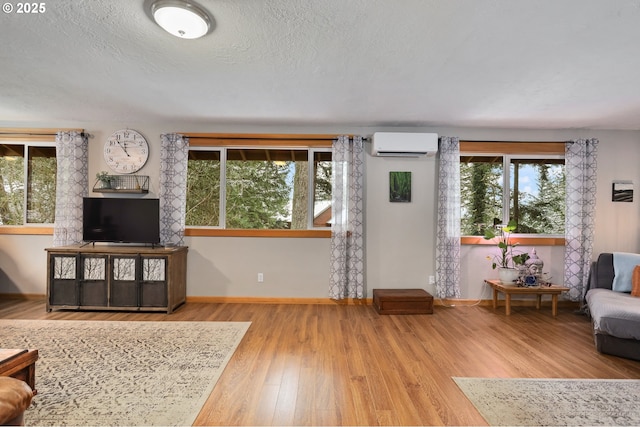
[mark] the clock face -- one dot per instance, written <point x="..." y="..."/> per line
<point x="126" y="151"/>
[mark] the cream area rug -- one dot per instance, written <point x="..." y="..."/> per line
<point x="98" y="373"/>
<point x="554" y="402"/>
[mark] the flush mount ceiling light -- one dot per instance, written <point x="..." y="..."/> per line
<point x="181" y="18"/>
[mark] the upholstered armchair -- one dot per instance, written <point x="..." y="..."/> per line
<point x="15" y="398"/>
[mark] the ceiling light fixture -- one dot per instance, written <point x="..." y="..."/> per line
<point x="181" y="18"/>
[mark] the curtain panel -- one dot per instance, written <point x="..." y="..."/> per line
<point x="581" y="174"/>
<point x="174" y="156"/>
<point x="72" y="183"/>
<point x="448" y="227"/>
<point x="346" y="278"/>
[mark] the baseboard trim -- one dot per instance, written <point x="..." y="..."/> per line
<point x="274" y="300"/>
<point x="450" y="302"/>
<point x="22" y="296"/>
<point x="446" y="302"/>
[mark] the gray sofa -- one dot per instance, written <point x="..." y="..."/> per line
<point x="615" y="315"/>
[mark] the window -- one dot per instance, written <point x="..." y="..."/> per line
<point x="259" y="188"/>
<point x="203" y="188"/>
<point x="481" y="193"/>
<point x="28" y="176"/>
<point x="526" y="188"/>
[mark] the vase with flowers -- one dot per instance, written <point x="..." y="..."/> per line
<point x="507" y="261"/>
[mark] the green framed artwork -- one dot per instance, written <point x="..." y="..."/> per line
<point x="400" y="187"/>
<point x="622" y="191"/>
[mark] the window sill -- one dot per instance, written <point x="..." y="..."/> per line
<point x="25" y="230"/>
<point x="523" y="241"/>
<point x="218" y="232"/>
<point x="18" y="230"/>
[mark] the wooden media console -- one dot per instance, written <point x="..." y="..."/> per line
<point x="105" y="277"/>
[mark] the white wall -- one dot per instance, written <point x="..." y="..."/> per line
<point x="229" y="266"/>
<point x="400" y="244"/>
<point x="23" y="264"/>
<point x="400" y="247"/>
<point x="618" y="224"/>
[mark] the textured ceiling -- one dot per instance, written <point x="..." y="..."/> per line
<point x="482" y="63"/>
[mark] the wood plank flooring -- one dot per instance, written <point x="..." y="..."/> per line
<point x="347" y="365"/>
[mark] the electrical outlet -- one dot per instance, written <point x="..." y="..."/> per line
<point x="260" y="277"/>
<point x="432" y="280"/>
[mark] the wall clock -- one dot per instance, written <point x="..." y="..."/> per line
<point x="126" y="151"/>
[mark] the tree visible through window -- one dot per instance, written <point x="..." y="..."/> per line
<point x="34" y="172"/>
<point x="537" y="190"/>
<point x="480" y="193"/>
<point x="260" y="188"/>
<point x="41" y="184"/>
<point x="203" y="188"/>
<point x="264" y="188"/>
<point x="534" y="196"/>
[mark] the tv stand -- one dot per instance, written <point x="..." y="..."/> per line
<point x="126" y="278"/>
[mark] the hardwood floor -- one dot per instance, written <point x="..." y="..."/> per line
<point x="347" y="365"/>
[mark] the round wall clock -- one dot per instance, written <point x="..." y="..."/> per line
<point x="126" y="151"/>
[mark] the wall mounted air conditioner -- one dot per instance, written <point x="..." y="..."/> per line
<point x="402" y="144"/>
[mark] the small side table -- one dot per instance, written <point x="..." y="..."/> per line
<point x="19" y="364"/>
<point x="538" y="291"/>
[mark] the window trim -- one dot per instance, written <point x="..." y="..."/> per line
<point x="311" y="142"/>
<point x="32" y="134"/>
<point x="25" y="229"/>
<point x="236" y="232"/>
<point x="510" y="149"/>
<point x="516" y="239"/>
<point x="259" y="140"/>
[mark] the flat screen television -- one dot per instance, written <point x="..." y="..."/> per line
<point x="121" y="220"/>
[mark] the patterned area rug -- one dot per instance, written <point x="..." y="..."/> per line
<point x="554" y="402"/>
<point x="122" y="373"/>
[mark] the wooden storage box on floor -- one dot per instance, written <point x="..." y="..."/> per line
<point x="402" y="301"/>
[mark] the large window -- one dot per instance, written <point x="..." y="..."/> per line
<point x="259" y="188"/>
<point x="28" y="183"/>
<point x="528" y="189"/>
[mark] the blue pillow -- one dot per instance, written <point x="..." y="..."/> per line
<point x="623" y="265"/>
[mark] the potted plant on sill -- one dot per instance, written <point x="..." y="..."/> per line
<point x="507" y="262"/>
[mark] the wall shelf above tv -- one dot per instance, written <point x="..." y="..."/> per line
<point x="137" y="184"/>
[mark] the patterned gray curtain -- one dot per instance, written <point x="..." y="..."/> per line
<point x="448" y="228"/>
<point x="174" y="154"/>
<point x="72" y="184"/>
<point x="580" y="172"/>
<point x="347" y="232"/>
